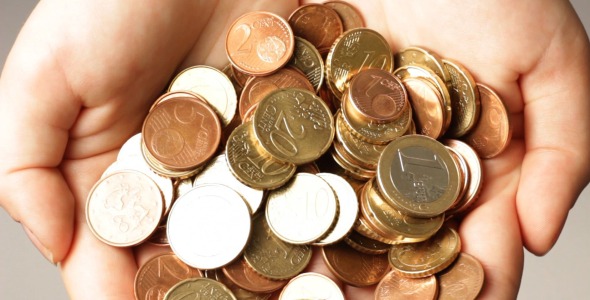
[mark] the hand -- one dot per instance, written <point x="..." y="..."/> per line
<point x="81" y="77"/>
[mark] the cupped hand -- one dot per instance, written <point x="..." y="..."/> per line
<point x="82" y="75"/>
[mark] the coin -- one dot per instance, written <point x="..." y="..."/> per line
<point x="394" y="286"/>
<point x="475" y="175"/>
<point x="241" y="274"/>
<point x="350" y="16"/>
<point x="317" y="23"/>
<point x="259" y="43"/>
<point x="493" y="132"/>
<point x="364" y="244"/>
<point x="159" y="237"/>
<point x="426" y="258"/>
<point x="427" y="106"/>
<point x="131" y="149"/>
<point x="240" y="293"/>
<point x="199" y="288"/>
<point x="214" y="86"/>
<point x="191" y="234"/>
<point x="303" y="210"/>
<point x="462" y="280"/>
<point x="253" y="166"/>
<point x="345" y="163"/>
<point x="159" y="274"/>
<point x="361" y="152"/>
<point x="308" y="60"/>
<point x="464" y="99"/>
<point x="294" y="125"/>
<point x="124" y="208"/>
<point x="417" y="56"/>
<point x="353" y="267"/>
<point x="311" y="286"/>
<point x="417" y="176"/>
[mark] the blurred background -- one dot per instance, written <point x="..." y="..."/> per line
<point x="25" y="274"/>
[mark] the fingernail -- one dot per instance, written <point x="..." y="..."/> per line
<point x="46" y="253"/>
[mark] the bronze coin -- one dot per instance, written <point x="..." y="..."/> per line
<point x="364" y="244"/>
<point x="492" y="134"/>
<point x="462" y="280"/>
<point x="240" y="77"/>
<point x="354" y="267"/>
<point x="241" y="274"/>
<point x="159" y="274"/>
<point x="393" y="286"/>
<point x="259" y="43"/>
<point x="475" y="168"/>
<point x="176" y="94"/>
<point x="427" y="103"/>
<point x="317" y="23"/>
<point x="350" y="16"/>
<point x="181" y="133"/>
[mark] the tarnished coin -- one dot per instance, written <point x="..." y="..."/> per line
<point x="191" y="234"/>
<point x="294" y="125"/>
<point x="159" y="274"/>
<point x="393" y="286"/>
<point x="493" y="132"/>
<point x="464" y="99"/>
<point x="311" y="286"/>
<point x="426" y="258"/>
<point x="214" y="86"/>
<point x="356" y="50"/>
<point x="364" y="244"/>
<point x="353" y="267"/>
<point x="427" y="104"/>
<point x="308" y="60"/>
<point x="245" y="277"/>
<point x="317" y="23"/>
<point x="362" y="152"/>
<point x="259" y="43"/>
<point x="417" y="56"/>
<point x="417" y="176"/>
<point x="303" y="210"/>
<point x="251" y="164"/>
<point x="199" y="288"/>
<point x="124" y="208"/>
<point x="462" y="280"/>
<point x="476" y="176"/>
<point x="270" y="256"/>
<point x="350" y="16"/>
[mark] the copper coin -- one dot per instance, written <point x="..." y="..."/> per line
<point x="462" y="280"/>
<point x="240" y="293"/>
<point x="317" y="23"/>
<point x="427" y="104"/>
<point x="181" y="133"/>
<point x="393" y="286"/>
<point x="492" y="133"/>
<point x="354" y="267"/>
<point x="350" y="16"/>
<point x="259" y="43"/>
<point x="475" y="175"/>
<point x="245" y="277"/>
<point x="240" y="77"/>
<point x="176" y="94"/>
<point x="159" y="274"/>
<point x="259" y="87"/>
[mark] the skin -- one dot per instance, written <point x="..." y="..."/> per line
<point x="82" y="75"/>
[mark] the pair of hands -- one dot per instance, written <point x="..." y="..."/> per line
<point x="82" y="75"/>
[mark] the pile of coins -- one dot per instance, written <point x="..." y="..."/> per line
<point x="335" y="145"/>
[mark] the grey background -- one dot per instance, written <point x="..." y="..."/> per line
<point x="25" y="274"/>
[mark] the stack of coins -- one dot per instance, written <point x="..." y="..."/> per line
<point x="397" y="140"/>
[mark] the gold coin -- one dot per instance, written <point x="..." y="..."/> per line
<point x="311" y="286"/>
<point x="416" y="56"/>
<point x="364" y="153"/>
<point x="350" y="168"/>
<point x="463" y="175"/>
<point x="475" y="167"/>
<point x="353" y="267"/>
<point x="253" y="166"/>
<point x="270" y="256"/>
<point x="211" y="84"/>
<point x="308" y="60"/>
<point x="355" y="50"/>
<point x="426" y="258"/>
<point x="303" y="210"/>
<point x="417" y="176"/>
<point x="464" y="99"/>
<point x="294" y="125"/>
<point x="364" y="244"/>
<point x="199" y="288"/>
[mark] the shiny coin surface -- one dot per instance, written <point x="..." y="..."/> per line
<point x="211" y="84"/>
<point x="364" y="244"/>
<point x="240" y="293"/>
<point x="476" y="175"/>
<point x="417" y="176"/>
<point x="294" y="125"/>
<point x="362" y="152"/>
<point x="311" y="286"/>
<point x="124" y="208"/>
<point x="427" y="104"/>
<point x="394" y="286"/>
<point x="259" y="43"/>
<point x="308" y="60"/>
<point x="353" y="267"/>
<point x="426" y="258"/>
<point x="199" y="288"/>
<point x="462" y="280"/>
<point x="240" y="273"/>
<point x="493" y="132"/>
<point x="317" y="23"/>
<point x="251" y="164"/>
<point x="417" y="56"/>
<point x="350" y="16"/>
<point x="464" y="99"/>
<point x="131" y="149"/>
<point x="303" y="210"/>
<point x="191" y="234"/>
<point x="159" y="274"/>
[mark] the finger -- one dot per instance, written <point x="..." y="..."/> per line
<point x="557" y="120"/>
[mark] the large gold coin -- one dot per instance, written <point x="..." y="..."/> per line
<point x="294" y="125"/>
<point x="416" y="56"/>
<point x="308" y="60"/>
<point x="199" y="288"/>
<point x="364" y="153"/>
<point x="464" y="99"/>
<point x="418" y="176"/>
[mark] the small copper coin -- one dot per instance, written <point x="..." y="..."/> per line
<point x="200" y="288"/>
<point x="259" y="43"/>
<point x="240" y="293"/>
<point x="476" y="175"/>
<point x="393" y="286"/>
<point x="350" y="16"/>
<point x="159" y="274"/>
<point x="353" y="267"/>
<point x="181" y="133"/>
<point x="427" y="106"/>
<point x="462" y="280"/>
<point x="311" y="286"/>
<point x="317" y="23"/>
<point x="240" y="273"/>
<point x="493" y="132"/>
